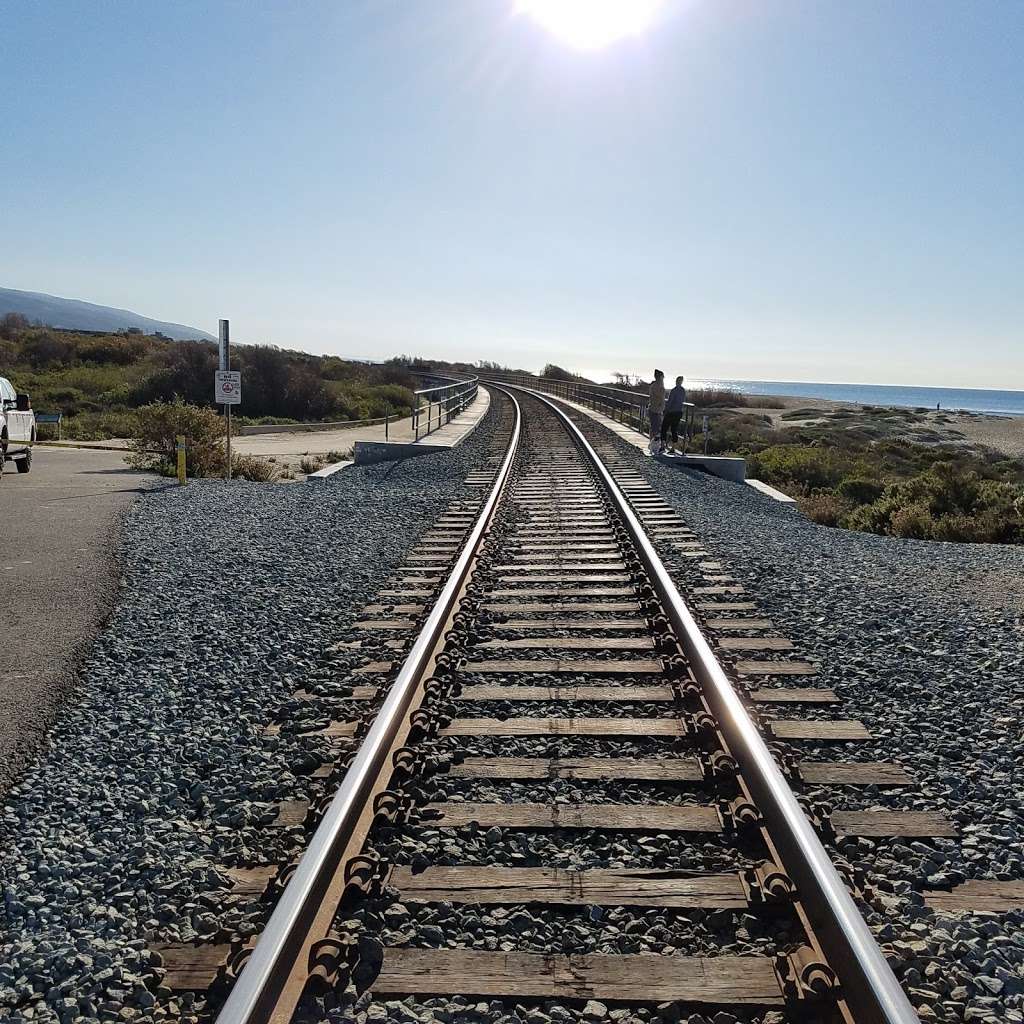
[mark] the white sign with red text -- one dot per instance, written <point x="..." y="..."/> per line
<point x="228" y="387"/>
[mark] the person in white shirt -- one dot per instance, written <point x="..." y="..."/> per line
<point x="656" y="410"/>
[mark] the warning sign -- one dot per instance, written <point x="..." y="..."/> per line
<point x="227" y="386"/>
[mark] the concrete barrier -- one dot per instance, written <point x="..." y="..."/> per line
<point x="717" y="465"/>
<point x="365" y="452"/>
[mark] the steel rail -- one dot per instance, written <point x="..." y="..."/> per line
<point x="868" y="984"/>
<point x="253" y="998"/>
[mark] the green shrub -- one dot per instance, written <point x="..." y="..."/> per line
<point x="826" y="509"/>
<point x="704" y="398"/>
<point x="912" y="521"/>
<point x="860" y="491"/>
<point x="555" y="372"/>
<point x="100" y="426"/>
<point x="155" y="446"/>
<point x="811" y="467"/>
<point x="946" y="503"/>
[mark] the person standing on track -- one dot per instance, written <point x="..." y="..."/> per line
<point x="673" y="414"/>
<point x="656" y="409"/>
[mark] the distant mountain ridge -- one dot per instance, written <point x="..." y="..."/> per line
<point x="74" y="314"/>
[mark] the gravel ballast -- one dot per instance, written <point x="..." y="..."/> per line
<point x="924" y="643"/>
<point x="158" y="773"/>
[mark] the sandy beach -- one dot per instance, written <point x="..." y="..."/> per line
<point x="1002" y="433"/>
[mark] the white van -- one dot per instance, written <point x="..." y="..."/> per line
<point x="17" y="427"/>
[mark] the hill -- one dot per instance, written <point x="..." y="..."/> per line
<point x="76" y="315"/>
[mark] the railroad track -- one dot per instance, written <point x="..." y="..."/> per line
<point x="562" y="798"/>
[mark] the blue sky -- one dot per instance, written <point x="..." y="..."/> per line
<point x="786" y="190"/>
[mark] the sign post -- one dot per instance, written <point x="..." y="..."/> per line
<point x="179" y="447"/>
<point x="226" y="395"/>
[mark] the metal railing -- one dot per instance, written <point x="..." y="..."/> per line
<point x="629" y="407"/>
<point x="442" y="403"/>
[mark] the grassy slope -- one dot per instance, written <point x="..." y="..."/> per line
<point x="97" y="380"/>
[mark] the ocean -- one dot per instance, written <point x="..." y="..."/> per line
<point x="1006" y="403"/>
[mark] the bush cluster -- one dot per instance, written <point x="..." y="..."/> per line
<point x="97" y="380"/>
<point x="946" y="503"/>
<point x="952" y="500"/>
<point x="154" y="445"/>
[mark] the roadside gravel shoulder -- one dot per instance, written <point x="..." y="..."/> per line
<point x="232" y="598"/>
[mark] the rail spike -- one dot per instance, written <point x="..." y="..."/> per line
<point x="392" y="805"/>
<point x="806" y="978"/>
<point x="425" y="723"/>
<point x="440" y="689"/>
<point x="675" y="666"/>
<point x="331" y="961"/>
<point x="740" y="814"/>
<point x="768" y="883"/>
<point x="719" y="766"/>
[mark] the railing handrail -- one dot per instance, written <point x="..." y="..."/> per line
<point x="448" y="399"/>
<point x="640" y="395"/>
<point x="455" y="382"/>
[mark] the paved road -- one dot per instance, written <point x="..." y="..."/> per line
<point x="58" y="579"/>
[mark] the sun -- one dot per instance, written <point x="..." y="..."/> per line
<point x="591" y="24"/>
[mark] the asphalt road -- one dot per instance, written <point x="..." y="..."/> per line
<point x="58" y="580"/>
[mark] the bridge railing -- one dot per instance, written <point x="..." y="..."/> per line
<point x="629" y="407"/>
<point x="438" y="405"/>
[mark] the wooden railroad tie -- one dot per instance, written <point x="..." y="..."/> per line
<point x="720" y="980"/>
<point x="570" y="643"/>
<point x="809" y="729"/>
<point x="628" y="817"/>
<point x="568" y="693"/>
<point x="650" y="769"/>
<point x="976" y="896"/>
<point x="634" y="728"/>
<point x="606" y="887"/>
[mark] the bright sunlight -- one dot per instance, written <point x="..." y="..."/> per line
<point x="591" y="24"/>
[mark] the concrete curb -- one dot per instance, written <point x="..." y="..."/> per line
<point x="771" y="492"/>
<point x="328" y="471"/>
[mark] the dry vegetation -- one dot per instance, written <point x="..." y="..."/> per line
<point x="880" y="470"/>
<point x="99" y="381"/>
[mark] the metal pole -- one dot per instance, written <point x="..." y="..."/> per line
<point x="224" y="353"/>
<point x="387" y="411"/>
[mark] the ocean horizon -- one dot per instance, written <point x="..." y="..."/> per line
<point x="1004" y="403"/>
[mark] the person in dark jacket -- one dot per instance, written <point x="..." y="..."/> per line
<point x="674" y="405"/>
